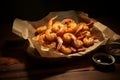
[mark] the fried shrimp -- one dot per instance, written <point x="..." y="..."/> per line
<point x="71" y="25"/>
<point x="88" y="41"/>
<point x="82" y="27"/>
<point x="41" y="29"/>
<point x="50" y="36"/>
<point x="86" y="33"/>
<point x="40" y="39"/>
<point x="68" y="37"/>
<point x="65" y="36"/>
<point x="83" y="34"/>
<point x="79" y="44"/>
<point x="66" y="49"/>
<point x="59" y="28"/>
<point x="56" y="26"/>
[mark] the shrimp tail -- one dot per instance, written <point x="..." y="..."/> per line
<point x="81" y="49"/>
<point x="73" y="49"/>
<point x="90" y="24"/>
<point x="79" y="28"/>
<point x="60" y="42"/>
<point x="50" y="23"/>
<point x="75" y="41"/>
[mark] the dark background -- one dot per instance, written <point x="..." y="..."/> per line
<point x="37" y="9"/>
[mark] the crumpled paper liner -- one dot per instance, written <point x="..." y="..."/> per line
<point x="26" y="30"/>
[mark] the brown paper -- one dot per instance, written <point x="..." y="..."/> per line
<point x="26" y="30"/>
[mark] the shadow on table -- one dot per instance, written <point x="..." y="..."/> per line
<point x="16" y="63"/>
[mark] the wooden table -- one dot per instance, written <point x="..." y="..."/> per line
<point x="17" y="64"/>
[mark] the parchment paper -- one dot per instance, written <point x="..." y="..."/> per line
<point x="26" y="30"/>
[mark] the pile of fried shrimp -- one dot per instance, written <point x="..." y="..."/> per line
<point x="66" y="36"/>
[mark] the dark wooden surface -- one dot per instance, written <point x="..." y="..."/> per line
<point x="17" y="64"/>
